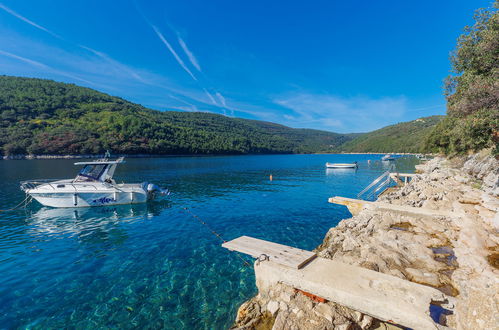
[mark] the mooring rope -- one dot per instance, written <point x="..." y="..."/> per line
<point x="25" y="201"/>
<point x="29" y="198"/>
<point x="213" y="232"/>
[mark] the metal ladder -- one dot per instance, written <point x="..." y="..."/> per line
<point x="378" y="185"/>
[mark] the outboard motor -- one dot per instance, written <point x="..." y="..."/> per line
<point x="153" y="191"/>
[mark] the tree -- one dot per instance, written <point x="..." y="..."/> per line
<point x="472" y="90"/>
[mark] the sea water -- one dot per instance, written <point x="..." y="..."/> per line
<point x="156" y="265"/>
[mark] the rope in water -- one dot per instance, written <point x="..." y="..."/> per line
<point x="213" y="232"/>
<point x="25" y="201"/>
<point x="29" y="198"/>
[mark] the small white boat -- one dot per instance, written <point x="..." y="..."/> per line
<point x="93" y="186"/>
<point x="387" y="158"/>
<point x="422" y="157"/>
<point x="341" y="165"/>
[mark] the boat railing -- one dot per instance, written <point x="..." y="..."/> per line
<point x="32" y="184"/>
<point x="378" y="185"/>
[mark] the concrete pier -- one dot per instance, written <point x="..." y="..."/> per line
<point x="385" y="297"/>
<point x="357" y="205"/>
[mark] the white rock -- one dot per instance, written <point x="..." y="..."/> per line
<point x="273" y="307"/>
<point x="286" y="296"/>
<point x="366" y="322"/>
<point x="344" y="326"/>
<point x="324" y="311"/>
<point x="357" y="316"/>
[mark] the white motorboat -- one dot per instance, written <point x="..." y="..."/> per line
<point x="93" y="186"/>
<point x="341" y="165"/>
<point x="387" y="157"/>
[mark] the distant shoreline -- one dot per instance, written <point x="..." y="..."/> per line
<point x="30" y="157"/>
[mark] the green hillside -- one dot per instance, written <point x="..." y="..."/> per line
<point x="46" y="117"/>
<point x="402" y="137"/>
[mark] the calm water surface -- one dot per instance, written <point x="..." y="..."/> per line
<point x="154" y="265"/>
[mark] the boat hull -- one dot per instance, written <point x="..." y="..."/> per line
<point x="332" y="165"/>
<point x="65" y="193"/>
<point x="89" y="199"/>
<point x="93" y="186"/>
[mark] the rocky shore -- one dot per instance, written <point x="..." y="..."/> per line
<point x="457" y="254"/>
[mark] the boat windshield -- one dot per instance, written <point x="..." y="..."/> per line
<point x="91" y="172"/>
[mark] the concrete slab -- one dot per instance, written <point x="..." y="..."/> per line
<point x="382" y="296"/>
<point x="385" y="297"/>
<point x="357" y="205"/>
<point x="278" y="253"/>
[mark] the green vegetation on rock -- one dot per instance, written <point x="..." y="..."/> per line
<point x="472" y="121"/>
<point x="402" y="137"/>
<point x="46" y="117"/>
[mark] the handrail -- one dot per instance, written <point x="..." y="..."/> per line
<point x="379" y="188"/>
<point x="31" y="184"/>
<point x="379" y="185"/>
<point x="378" y="179"/>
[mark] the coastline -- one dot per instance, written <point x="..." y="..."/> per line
<point x="456" y="254"/>
<point x="43" y="156"/>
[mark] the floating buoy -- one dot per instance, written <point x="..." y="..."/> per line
<point x="270" y="177"/>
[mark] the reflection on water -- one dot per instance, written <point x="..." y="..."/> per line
<point x="89" y="223"/>
<point x="341" y="171"/>
<point x="154" y="265"/>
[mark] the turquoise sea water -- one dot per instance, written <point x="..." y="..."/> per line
<point x="154" y="265"/>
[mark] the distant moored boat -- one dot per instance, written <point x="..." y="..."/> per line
<point x="387" y="157"/>
<point x="341" y="165"/>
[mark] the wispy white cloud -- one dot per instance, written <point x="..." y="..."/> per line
<point x="221" y="98"/>
<point x="115" y="64"/>
<point x="341" y="113"/>
<point x="24" y="59"/>
<point x="174" y="53"/>
<point x="97" y="69"/>
<point x="43" y="66"/>
<point x="15" y="14"/>
<point x="212" y="99"/>
<point x="189" y="54"/>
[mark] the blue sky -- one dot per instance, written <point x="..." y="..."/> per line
<point x="342" y="66"/>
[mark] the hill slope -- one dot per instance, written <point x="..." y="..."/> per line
<point x="46" y="117"/>
<point x="402" y="137"/>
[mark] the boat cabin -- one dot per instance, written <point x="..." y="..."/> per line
<point x="102" y="171"/>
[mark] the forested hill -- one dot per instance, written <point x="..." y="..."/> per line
<point x="403" y="137"/>
<point x="46" y="117"/>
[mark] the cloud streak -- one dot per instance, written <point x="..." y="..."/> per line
<point x="116" y="65"/>
<point x="331" y="112"/>
<point x="19" y="16"/>
<point x="43" y="66"/>
<point x="212" y="99"/>
<point x="24" y="59"/>
<point x="189" y="54"/>
<point x="102" y="71"/>
<point x="173" y="52"/>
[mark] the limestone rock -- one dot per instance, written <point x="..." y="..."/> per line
<point x="446" y="252"/>
<point x="273" y="307"/>
<point x="324" y="311"/>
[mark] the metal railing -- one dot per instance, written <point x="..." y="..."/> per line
<point x="52" y="183"/>
<point x="376" y="187"/>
